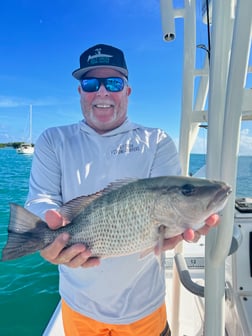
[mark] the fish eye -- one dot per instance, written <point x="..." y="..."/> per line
<point x="188" y="189"/>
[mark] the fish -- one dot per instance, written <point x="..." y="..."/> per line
<point x="128" y="216"/>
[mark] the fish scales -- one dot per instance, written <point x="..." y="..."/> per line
<point x="131" y="216"/>
<point x="118" y="223"/>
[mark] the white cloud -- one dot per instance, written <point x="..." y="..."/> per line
<point x="245" y="142"/>
<point x="200" y="145"/>
<point x="245" y="147"/>
<point x="9" y="101"/>
<point x="6" y="101"/>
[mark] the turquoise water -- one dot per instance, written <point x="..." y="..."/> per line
<point x="29" y="286"/>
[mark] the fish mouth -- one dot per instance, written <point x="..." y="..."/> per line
<point x="220" y="197"/>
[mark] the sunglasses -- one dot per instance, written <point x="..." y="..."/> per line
<point x="112" y="84"/>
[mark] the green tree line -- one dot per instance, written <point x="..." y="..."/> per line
<point x="11" y="144"/>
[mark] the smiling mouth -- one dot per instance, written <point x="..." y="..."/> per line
<point x="103" y="106"/>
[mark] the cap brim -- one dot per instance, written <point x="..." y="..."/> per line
<point x="78" y="73"/>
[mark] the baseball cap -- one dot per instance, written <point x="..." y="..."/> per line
<point x="101" y="55"/>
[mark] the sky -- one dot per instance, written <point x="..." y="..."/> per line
<point x="40" y="45"/>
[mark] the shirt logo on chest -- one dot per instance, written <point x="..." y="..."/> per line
<point x="125" y="149"/>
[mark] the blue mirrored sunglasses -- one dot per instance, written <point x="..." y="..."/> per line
<point x="112" y="84"/>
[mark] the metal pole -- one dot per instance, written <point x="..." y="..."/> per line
<point x="219" y="65"/>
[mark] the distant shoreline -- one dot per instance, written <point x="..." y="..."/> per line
<point x="12" y="144"/>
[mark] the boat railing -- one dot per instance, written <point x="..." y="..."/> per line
<point x="222" y="88"/>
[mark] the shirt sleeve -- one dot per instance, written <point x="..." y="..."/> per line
<point x="166" y="159"/>
<point x="45" y="178"/>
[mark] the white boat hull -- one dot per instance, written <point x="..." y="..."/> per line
<point x="25" y="149"/>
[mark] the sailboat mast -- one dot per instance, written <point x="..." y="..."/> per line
<point x="30" y="126"/>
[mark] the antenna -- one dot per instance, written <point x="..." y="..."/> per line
<point x="30" y="128"/>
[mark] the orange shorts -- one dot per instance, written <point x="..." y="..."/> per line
<point x="76" y="324"/>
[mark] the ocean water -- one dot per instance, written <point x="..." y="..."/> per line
<point x="29" y="286"/>
<point x="244" y="172"/>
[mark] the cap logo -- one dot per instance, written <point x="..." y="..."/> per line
<point x="98" y="58"/>
<point x="101" y="55"/>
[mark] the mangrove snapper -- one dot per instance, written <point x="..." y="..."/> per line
<point x="125" y="218"/>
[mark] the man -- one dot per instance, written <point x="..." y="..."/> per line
<point x="125" y="295"/>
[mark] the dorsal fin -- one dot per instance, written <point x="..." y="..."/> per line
<point x="72" y="208"/>
<point x="118" y="184"/>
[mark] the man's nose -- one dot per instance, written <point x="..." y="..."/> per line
<point x="102" y="90"/>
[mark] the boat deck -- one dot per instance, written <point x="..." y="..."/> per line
<point x="191" y="313"/>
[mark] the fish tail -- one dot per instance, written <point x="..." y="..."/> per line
<point x="25" y="233"/>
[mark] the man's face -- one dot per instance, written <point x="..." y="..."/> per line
<point x="104" y="110"/>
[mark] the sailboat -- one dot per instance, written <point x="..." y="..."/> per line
<point x="27" y="148"/>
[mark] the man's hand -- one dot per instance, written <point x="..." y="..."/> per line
<point x="191" y="235"/>
<point x="74" y="256"/>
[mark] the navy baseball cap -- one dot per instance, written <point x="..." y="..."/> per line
<point x="101" y="55"/>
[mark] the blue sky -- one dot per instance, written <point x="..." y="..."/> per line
<point x="40" y="44"/>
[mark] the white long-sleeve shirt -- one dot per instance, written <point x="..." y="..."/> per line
<point x="74" y="160"/>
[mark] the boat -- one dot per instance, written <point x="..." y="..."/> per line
<point x="27" y="148"/>
<point x="209" y="284"/>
